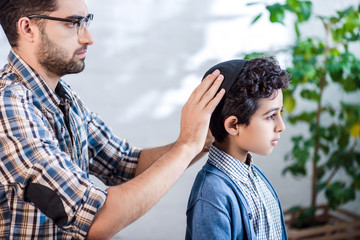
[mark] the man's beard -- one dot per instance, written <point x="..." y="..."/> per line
<point x="54" y="58"/>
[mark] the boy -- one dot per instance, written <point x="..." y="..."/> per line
<point x="231" y="198"/>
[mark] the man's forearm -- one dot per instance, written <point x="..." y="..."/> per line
<point x="149" y="155"/>
<point x="127" y="202"/>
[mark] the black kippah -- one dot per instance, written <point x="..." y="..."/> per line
<point x="3" y="2"/>
<point x="230" y="70"/>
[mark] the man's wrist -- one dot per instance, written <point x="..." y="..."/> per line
<point x="189" y="150"/>
<point x="205" y="148"/>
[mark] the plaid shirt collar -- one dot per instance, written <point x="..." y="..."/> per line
<point x="33" y="81"/>
<point x="230" y="165"/>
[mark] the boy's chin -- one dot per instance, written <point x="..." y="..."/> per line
<point x="265" y="153"/>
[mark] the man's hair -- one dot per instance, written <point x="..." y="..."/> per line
<point x="12" y="11"/>
<point x="259" y="78"/>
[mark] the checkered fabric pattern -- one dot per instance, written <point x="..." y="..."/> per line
<point x="263" y="205"/>
<point x="50" y="139"/>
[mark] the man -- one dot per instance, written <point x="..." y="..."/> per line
<point x="50" y="142"/>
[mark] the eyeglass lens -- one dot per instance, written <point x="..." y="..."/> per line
<point x="84" y="22"/>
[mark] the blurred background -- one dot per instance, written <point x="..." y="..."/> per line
<point x="147" y="58"/>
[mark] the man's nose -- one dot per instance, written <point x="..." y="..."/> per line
<point x="85" y="38"/>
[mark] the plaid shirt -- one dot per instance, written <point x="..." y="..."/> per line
<point x="49" y="144"/>
<point x="263" y="205"/>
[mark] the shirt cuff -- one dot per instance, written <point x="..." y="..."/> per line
<point x="84" y="217"/>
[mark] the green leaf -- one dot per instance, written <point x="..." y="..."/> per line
<point x="321" y="172"/>
<point x="320" y="186"/>
<point x="345" y="12"/>
<point x="277" y="13"/>
<point x="307" y="117"/>
<point x="305" y="217"/>
<point x="310" y="95"/>
<point x="254" y="55"/>
<point x="336" y="159"/>
<point x="331" y="132"/>
<point x="337" y="194"/>
<point x="295" y="169"/>
<point x="305" y="11"/>
<point x="253" y="3"/>
<point x="344" y="138"/>
<point x="345" y="29"/>
<point x="325" y="148"/>
<point x="297" y="30"/>
<point x="351" y="165"/>
<point x="356" y="182"/>
<point x="256" y="18"/>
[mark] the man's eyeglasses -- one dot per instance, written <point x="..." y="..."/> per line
<point x="80" y="22"/>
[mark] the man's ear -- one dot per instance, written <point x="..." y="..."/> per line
<point x="26" y="29"/>
<point x="231" y="125"/>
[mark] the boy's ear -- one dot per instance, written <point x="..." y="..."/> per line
<point x="26" y="29"/>
<point x="231" y="125"/>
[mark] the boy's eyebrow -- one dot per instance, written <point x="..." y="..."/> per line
<point x="273" y="110"/>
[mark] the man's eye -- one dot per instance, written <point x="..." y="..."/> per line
<point x="71" y="24"/>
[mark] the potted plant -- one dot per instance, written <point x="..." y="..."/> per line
<point x="331" y="142"/>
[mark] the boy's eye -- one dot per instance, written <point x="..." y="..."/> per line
<point x="271" y="117"/>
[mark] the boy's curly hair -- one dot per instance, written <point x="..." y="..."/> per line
<point x="259" y="78"/>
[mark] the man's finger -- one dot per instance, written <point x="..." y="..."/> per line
<point x="205" y="85"/>
<point x="214" y="88"/>
<point x="211" y="92"/>
<point x="215" y="101"/>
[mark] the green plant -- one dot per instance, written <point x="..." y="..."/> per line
<point x="331" y="143"/>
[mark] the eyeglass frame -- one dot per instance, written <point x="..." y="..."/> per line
<point x="78" y="21"/>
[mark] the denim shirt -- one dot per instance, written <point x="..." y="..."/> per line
<point x="218" y="209"/>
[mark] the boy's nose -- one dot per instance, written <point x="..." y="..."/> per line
<point x="280" y="126"/>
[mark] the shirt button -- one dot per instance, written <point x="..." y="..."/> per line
<point x="250" y="216"/>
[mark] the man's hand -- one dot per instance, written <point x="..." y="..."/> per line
<point x="197" y="111"/>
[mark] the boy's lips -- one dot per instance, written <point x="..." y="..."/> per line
<point x="274" y="142"/>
